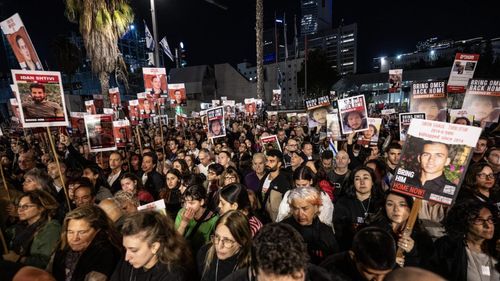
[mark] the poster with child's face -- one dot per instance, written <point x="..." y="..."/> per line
<point x="353" y="115"/>
<point x="370" y="136"/>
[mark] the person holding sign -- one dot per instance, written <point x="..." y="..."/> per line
<point x="433" y="159"/>
<point x="41" y="107"/>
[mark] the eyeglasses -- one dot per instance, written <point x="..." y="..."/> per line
<point x="484" y="176"/>
<point x="227" y="243"/>
<point x="480" y="221"/>
<point x="229" y="177"/>
<point x="25" y="206"/>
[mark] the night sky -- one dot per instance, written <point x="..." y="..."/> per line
<point x="212" y="35"/>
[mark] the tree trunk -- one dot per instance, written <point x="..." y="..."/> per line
<point x="259" y="29"/>
<point x="104" y="81"/>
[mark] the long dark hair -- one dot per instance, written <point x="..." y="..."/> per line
<point x="236" y="193"/>
<point x="376" y="191"/>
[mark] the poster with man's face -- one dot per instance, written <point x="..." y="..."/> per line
<point x="155" y="81"/>
<point x="177" y="94"/>
<point x="114" y="97"/>
<point x="482" y="100"/>
<point x="20" y="42"/>
<point x="133" y="111"/>
<point x="434" y="160"/>
<point x="146" y="105"/>
<point x="122" y="133"/>
<point x="405" y="120"/>
<point x="429" y="97"/>
<point x="395" y="80"/>
<point x="250" y="107"/>
<point x="318" y="108"/>
<point x="90" y="107"/>
<point x="229" y="108"/>
<point x="99" y="129"/>
<point x="353" y="115"/>
<point x="216" y="124"/>
<point x="461" y="72"/>
<point x="98" y="103"/>
<point x="41" y="98"/>
<point x="78" y="123"/>
<point x="276" y="101"/>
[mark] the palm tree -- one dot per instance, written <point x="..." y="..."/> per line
<point x="259" y="29"/>
<point x="102" y="23"/>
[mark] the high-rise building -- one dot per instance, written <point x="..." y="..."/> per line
<point x="316" y="16"/>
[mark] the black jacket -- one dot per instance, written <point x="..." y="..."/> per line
<point x="154" y="183"/>
<point x="218" y="269"/>
<point x="126" y="272"/>
<point x="313" y="273"/>
<point x="449" y="259"/>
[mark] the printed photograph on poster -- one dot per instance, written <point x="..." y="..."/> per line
<point x="250" y="107"/>
<point x="270" y="142"/>
<point x="482" y="100"/>
<point x="370" y="136"/>
<point x="430" y="98"/>
<point x="395" y="80"/>
<point x="133" y="111"/>
<point x="303" y="119"/>
<point x="404" y="122"/>
<point x="181" y="120"/>
<point x="114" y="97"/>
<point x="98" y="103"/>
<point x="99" y="129"/>
<point x="291" y="117"/>
<point x="333" y="126"/>
<point x="41" y="98"/>
<point x="461" y="72"/>
<point x="78" y="123"/>
<point x="14" y="107"/>
<point x="317" y="109"/>
<point x="111" y="111"/>
<point x="216" y="124"/>
<point x="162" y="105"/>
<point x="434" y="160"/>
<point x="272" y="116"/>
<point x="155" y="81"/>
<point x="216" y="103"/>
<point x="146" y="105"/>
<point x="276" y="101"/>
<point x="229" y="108"/>
<point x="90" y="107"/>
<point x="122" y="133"/>
<point x="177" y="94"/>
<point x="461" y="117"/>
<point x="20" y="42"/>
<point x="353" y="115"/>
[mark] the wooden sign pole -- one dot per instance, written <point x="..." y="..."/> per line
<point x="410" y="223"/>
<point x="59" y="168"/>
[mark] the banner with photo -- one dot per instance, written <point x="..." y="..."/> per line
<point x="216" y="103"/>
<point x="429" y="97"/>
<point x="146" y="105"/>
<point x="122" y="133"/>
<point x="276" y="101"/>
<point x="404" y="122"/>
<point x="353" y="115"/>
<point x="303" y="119"/>
<point x="155" y="81"/>
<point x="78" y="123"/>
<point x="229" y="108"/>
<point x="181" y="120"/>
<point x="177" y="95"/>
<point x="482" y="100"/>
<point x="370" y="136"/>
<point x="462" y="117"/>
<point x="99" y="129"/>
<point x="216" y="124"/>
<point x="114" y="97"/>
<point x="41" y="98"/>
<point x="317" y="109"/>
<point x="14" y="107"/>
<point x="333" y="130"/>
<point x="250" y="107"/>
<point x="270" y="142"/>
<point x="98" y="103"/>
<point x="395" y="80"/>
<point x="133" y="111"/>
<point x="461" y="72"/>
<point x="20" y="42"/>
<point x="434" y="160"/>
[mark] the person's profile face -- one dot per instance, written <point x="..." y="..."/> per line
<point x="23" y="49"/>
<point x="430" y="108"/>
<point x="38" y="95"/>
<point x="320" y="115"/>
<point x="354" y="120"/>
<point x="434" y="158"/>
<point x="481" y="108"/>
<point x="216" y="128"/>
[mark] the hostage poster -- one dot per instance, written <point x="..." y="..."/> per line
<point x="41" y="98"/>
<point x="78" y="123"/>
<point x="404" y="122"/>
<point x="270" y="142"/>
<point x="122" y="133"/>
<point x="155" y="81"/>
<point x="317" y="109"/>
<point x="482" y="100"/>
<point x="430" y="98"/>
<point x="461" y="72"/>
<point x="276" y="97"/>
<point x="177" y="94"/>
<point x="370" y="136"/>
<point x="353" y="115"/>
<point x="395" y="80"/>
<point x="100" y="132"/>
<point x="216" y="124"/>
<point x="434" y="160"/>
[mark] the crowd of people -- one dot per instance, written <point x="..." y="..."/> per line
<point x="236" y="209"/>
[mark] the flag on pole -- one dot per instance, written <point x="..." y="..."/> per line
<point x="166" y="48"/>
<point x="149" y="38"/>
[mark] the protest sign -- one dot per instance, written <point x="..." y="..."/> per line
<point x="353" y="114"/>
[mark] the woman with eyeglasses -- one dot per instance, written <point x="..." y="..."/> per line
<point x="480" y="184"/>
<point x="34" y="238"/>
<point x="229" y="249"/>
<point x="469" y="250"/>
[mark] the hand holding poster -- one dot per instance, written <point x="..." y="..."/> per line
<point x="483" y="101"/>
<point x="216" y="123"/>
<point x="42" y="98"/>
<point x="430" y="98"/>
<point x="434" y="159"/>
<point x="122" y="133"/>
<point x="177" y="94"/>
<point x="353" y="114"/>
<point x="461" y="72"/>
<point x="20" y="42"/>
<point x="395" y="80"/>
<point x="404" y="123"/>
<point x="155" y="81"/>
<point x="100" y="132"/>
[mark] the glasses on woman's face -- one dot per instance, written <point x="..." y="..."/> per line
<point x="484" y="176"/>
<point x="226" y="243"/>
<point x="232" y="178"/>
<point x="480" y="221"/>
<point x="25" y="206"/>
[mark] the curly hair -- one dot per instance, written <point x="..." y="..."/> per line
<point x="279" y="249"/>
<point x="155" y="227"/>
